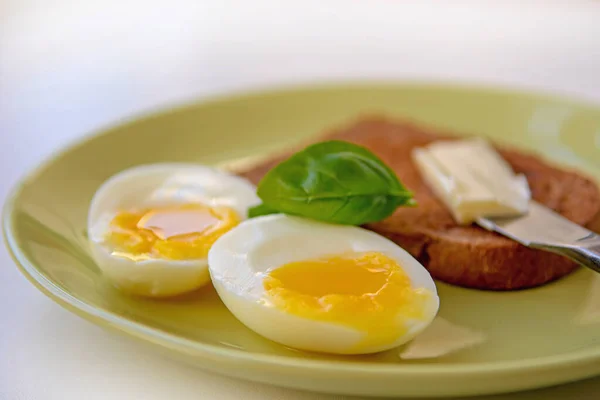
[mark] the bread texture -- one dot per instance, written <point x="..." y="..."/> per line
<point x="466" y="256"/>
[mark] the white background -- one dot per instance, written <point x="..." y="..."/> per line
<point x="70" y="67"/>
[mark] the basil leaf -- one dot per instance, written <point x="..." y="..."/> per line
<point x="259" y="210"/>
<point x="336" y="182"/>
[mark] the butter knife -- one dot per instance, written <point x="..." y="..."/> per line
<point x="543" y="229"/>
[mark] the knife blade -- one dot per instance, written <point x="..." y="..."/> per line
<point x="543" y="229"/>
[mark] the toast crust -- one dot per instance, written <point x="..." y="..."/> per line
<point x="466" y="256"/>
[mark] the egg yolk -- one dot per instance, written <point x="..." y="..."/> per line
<point x="182" y="232"/>
<point x="369" y="292"/>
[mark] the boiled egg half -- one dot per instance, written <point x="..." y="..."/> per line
<point x="151" y="226"/>
<point x="322" y="287"/>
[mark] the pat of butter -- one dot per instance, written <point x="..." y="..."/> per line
<point x="472" y="179"/>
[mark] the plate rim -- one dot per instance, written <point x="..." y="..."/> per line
<point x="104" y="318"/>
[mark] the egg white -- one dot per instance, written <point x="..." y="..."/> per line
<point x="240" y="259"/>
<point x="159" y="185"/>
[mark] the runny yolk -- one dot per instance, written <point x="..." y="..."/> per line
<point x="369" y="292"/>
<point x="181" y="232"/>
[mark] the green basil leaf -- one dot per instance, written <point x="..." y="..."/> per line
<point x="336" y="182"/>
<point x="260" y="210"/>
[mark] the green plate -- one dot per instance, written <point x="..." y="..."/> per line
<point x="533" y="338"/>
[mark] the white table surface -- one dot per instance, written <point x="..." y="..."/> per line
<point x="69" y="67"/>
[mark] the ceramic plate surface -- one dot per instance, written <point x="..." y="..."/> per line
<point x="528" y="339"/>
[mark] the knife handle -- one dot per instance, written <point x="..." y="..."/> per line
<point x="587" y="253"/>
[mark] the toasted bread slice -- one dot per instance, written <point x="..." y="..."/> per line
<point x="466" y="255"/>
